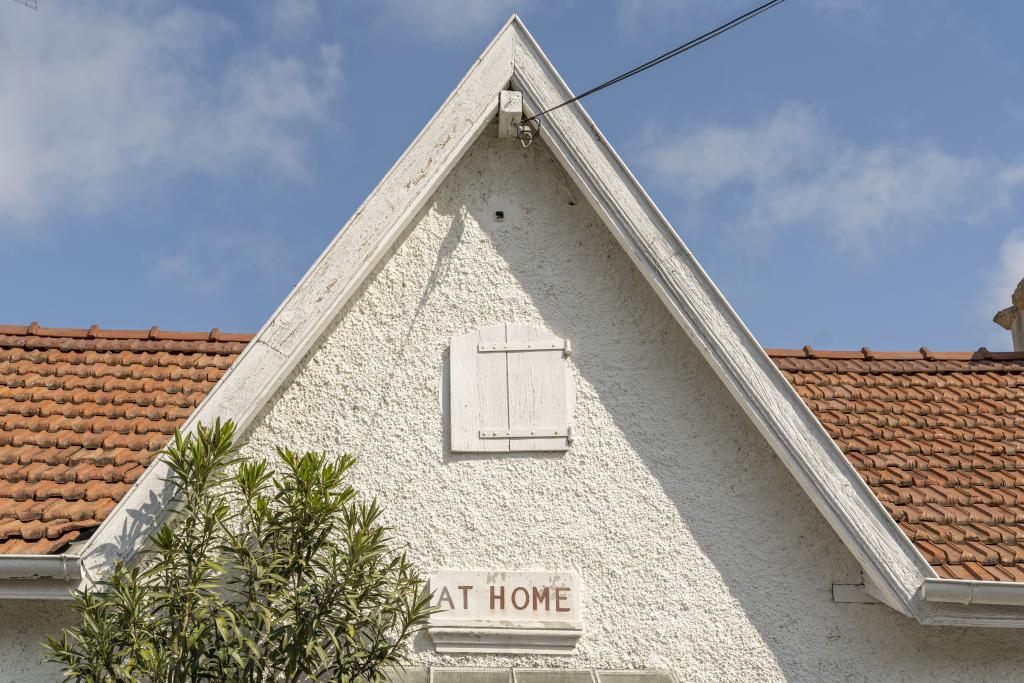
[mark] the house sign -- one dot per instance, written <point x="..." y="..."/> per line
<point x="506" y="611"/>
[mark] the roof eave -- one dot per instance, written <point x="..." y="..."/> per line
<point x="312" y="305"/>
<point x="28" y="567"/>
<point x="891" y="562"/>
<point x="884" y="552"/>
<point x="37" y="589"/>
<point x="971" y="592"/>
<point x="963" y="602"/>
<point x="39" y="577"/>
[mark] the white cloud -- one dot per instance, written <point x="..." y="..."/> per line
<point x="1009" y="270"/>
<point x="292" y="16"/>
<point x="221" y="259"/>
<point x="1001" y="282"/>
<point x="791" y="172"/>
<point x="99" y="99"/>
<point x="632" y="13"/>
<point x="842" y="6"/>
<point x="448" y="21"/>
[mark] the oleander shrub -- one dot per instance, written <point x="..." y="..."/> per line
<point x="264" y="572"/>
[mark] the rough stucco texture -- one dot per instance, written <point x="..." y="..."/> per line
<point x="24" y="625"/>
<point x="697" y="551"/>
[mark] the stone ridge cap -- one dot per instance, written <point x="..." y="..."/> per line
<point x="95" y="332"/>
<point x="921" y="354"/>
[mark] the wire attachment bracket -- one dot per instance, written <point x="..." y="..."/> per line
<point x="526" y="132"/>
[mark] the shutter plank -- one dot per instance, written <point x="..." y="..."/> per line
<point x="478" y="383"/>
<point x="537" y="396"/>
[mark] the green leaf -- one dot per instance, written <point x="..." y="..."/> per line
<point x="264" y="571"/>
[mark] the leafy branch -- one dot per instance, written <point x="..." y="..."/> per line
<point x="265" y="573"/>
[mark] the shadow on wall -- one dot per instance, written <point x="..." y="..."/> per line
<point x="442" y="264"/>
<point x="774" y="552"/>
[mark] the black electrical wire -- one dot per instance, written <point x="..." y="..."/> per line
<point x="689" y="45"/>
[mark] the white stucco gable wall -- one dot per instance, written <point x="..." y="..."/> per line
<point x="24" y="626"/>
<point x="697" y="550"/>
<point x="513" y="59"/>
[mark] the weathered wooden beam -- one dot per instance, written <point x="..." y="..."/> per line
<point x="510" y="113"/>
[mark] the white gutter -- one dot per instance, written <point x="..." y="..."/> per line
<point x="969" y="592"/>
<point x="37" y="589"/>
<point x="39" y="577"/>
<point x="66" y="567"/>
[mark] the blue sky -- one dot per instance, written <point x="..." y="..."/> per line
<point x="849" y="172"/>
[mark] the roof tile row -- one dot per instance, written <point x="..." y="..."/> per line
<point x="83" y="413"/>
<point x="938" y="438"/>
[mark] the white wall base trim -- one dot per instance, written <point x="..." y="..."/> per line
<point x="559" y="641"/>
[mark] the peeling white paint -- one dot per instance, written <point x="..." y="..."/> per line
<point x="698" y="551"/>
<point x="888" y="558"/>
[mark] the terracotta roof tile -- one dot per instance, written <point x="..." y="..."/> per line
<point x="83" y="412"/>
<point x="939" y="439"/>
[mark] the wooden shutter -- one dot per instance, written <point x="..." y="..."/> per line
<point x="479" y="391"/>
<point x="509" y="391"/>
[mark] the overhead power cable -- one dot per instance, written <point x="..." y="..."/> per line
<point x="689" y="45"/>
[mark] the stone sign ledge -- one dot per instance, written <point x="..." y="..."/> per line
<point x="547" y="641"/>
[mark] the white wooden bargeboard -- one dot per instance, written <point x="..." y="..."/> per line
<point x="506" y="611"/>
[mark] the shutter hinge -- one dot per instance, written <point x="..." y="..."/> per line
<point x="523" y="433"/>
<point x="562" y="345"/>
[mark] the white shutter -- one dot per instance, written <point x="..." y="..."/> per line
<point x="479" y="391"/>
<point x="536" y="391"/>
<point x="509" y="391"/>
